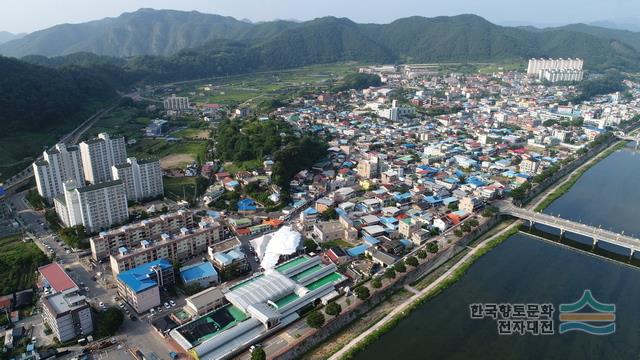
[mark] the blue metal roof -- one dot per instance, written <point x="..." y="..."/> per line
<point x="198" y="271"/>
<point x="358" y="250"/>
<point x="138" y="279"/>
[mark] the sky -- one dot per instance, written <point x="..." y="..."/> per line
<point x="19" y="16"/>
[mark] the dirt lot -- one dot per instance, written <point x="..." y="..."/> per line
<point x="177" y="161"/>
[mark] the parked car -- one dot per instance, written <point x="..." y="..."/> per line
<point x="172" y="303"/>
<point x="167" y="306"/>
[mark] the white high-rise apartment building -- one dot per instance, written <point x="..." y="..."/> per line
<point x="561" y="75"/>
<point x="177" y="103"/>
<point x="59" y="164"/>
<point x="99" y="155"/>
<point x="142" y="178"/>
<point x="97" y="207"/>
<point x="538" y="65"/>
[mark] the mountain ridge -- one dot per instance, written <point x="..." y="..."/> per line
<point x="149" y="33"/>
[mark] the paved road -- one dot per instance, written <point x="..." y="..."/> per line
<point x="419" y="295"/>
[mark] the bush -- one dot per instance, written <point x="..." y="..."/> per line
<point x="258" y="354"/>
<point x="422" y="254"/>
<point x="390" y="273"/>
<point x="315" y="319"/>
<point x="400" y="266"/>
<point x="376" y="283"/>
<point x="333" y="309"/>
<point x="412" y="261"/>
<point x="362" y="292"/>
<point x="108" y="322"/>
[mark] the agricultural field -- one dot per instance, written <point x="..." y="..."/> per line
<point x="124" y="120"/>
<point x="18" y="264"/>
<point x="251" y="89"/>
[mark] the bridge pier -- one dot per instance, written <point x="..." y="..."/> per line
<point x="631" y="255"/>
<point x="595" y="242"/>
<point x="561" y="233"/>
<point x="531" y="223"/>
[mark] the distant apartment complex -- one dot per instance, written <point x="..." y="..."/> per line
<point x="142" y="179"/>
<point x="185" y="245"/>
<point x="96" y="207"/>
<point x="59" y="164"/>
<point x="99" y="155"/>
<point x="555" y="70"/>
<point x="176" y="103"/>
<point x="128" y="236"/>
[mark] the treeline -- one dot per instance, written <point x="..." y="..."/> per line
<point x="37" y="99"/>
<point x="358" y="81"/>
<point x="607" y="84"/>
<point x="250" y="140"/>
<point x="295" y="157"/>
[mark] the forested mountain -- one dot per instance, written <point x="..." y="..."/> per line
<point x="37" y="98"/>
<point x="146" y="31"/>
<point x="628" y="37"/>
<point x="195" y="44"/>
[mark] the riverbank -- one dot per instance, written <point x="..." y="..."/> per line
<point x="444" y="281"/>
<point x="561" y="189"/>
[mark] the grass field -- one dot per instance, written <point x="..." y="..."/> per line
<point x="187" y="151"/>
<point x="182" y="188"/>
<point x="18" y="264"/>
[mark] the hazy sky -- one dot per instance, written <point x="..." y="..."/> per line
<point x="30" y="15"/>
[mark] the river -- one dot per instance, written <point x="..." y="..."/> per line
<point x="527" y="269"/>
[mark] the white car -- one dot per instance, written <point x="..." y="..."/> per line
<point x="167" y="306"/>
<point x="172" y="303"/>
<point x="102" y="304"/>
<point x="152" y="311"/>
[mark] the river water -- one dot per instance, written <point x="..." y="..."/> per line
<point x="527" y="269"/>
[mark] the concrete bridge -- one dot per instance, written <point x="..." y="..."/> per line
<point x="595" y="233"/>
<point x="622" y="136"/>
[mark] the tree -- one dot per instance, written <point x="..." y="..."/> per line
<point x="390" y="273"/>
<point x="421" y="254"/>
<point x="258" y="354"/>
<point x="458" y="232"/>
<point x="362" y="292"/>
<point x="108" y="322"/>
<point x="466" y="227"/>
<point x="453" y="206"/>
<point x="310" y="245"/>
<point x="315" y="319"/>
<point x="376" y="282"/>
<point x="329" y="214"/>
<point x="473" y="222"/>
<point x="333" y="308"/>
<point x="400" y="266"/>
<point x="432" y="247"/>
<point x="412" y="261"/>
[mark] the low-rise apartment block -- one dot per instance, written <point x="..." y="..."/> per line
<point x="128" y="236"/>
<point x="140" y="286"/>
<point x="186" y="245"/>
